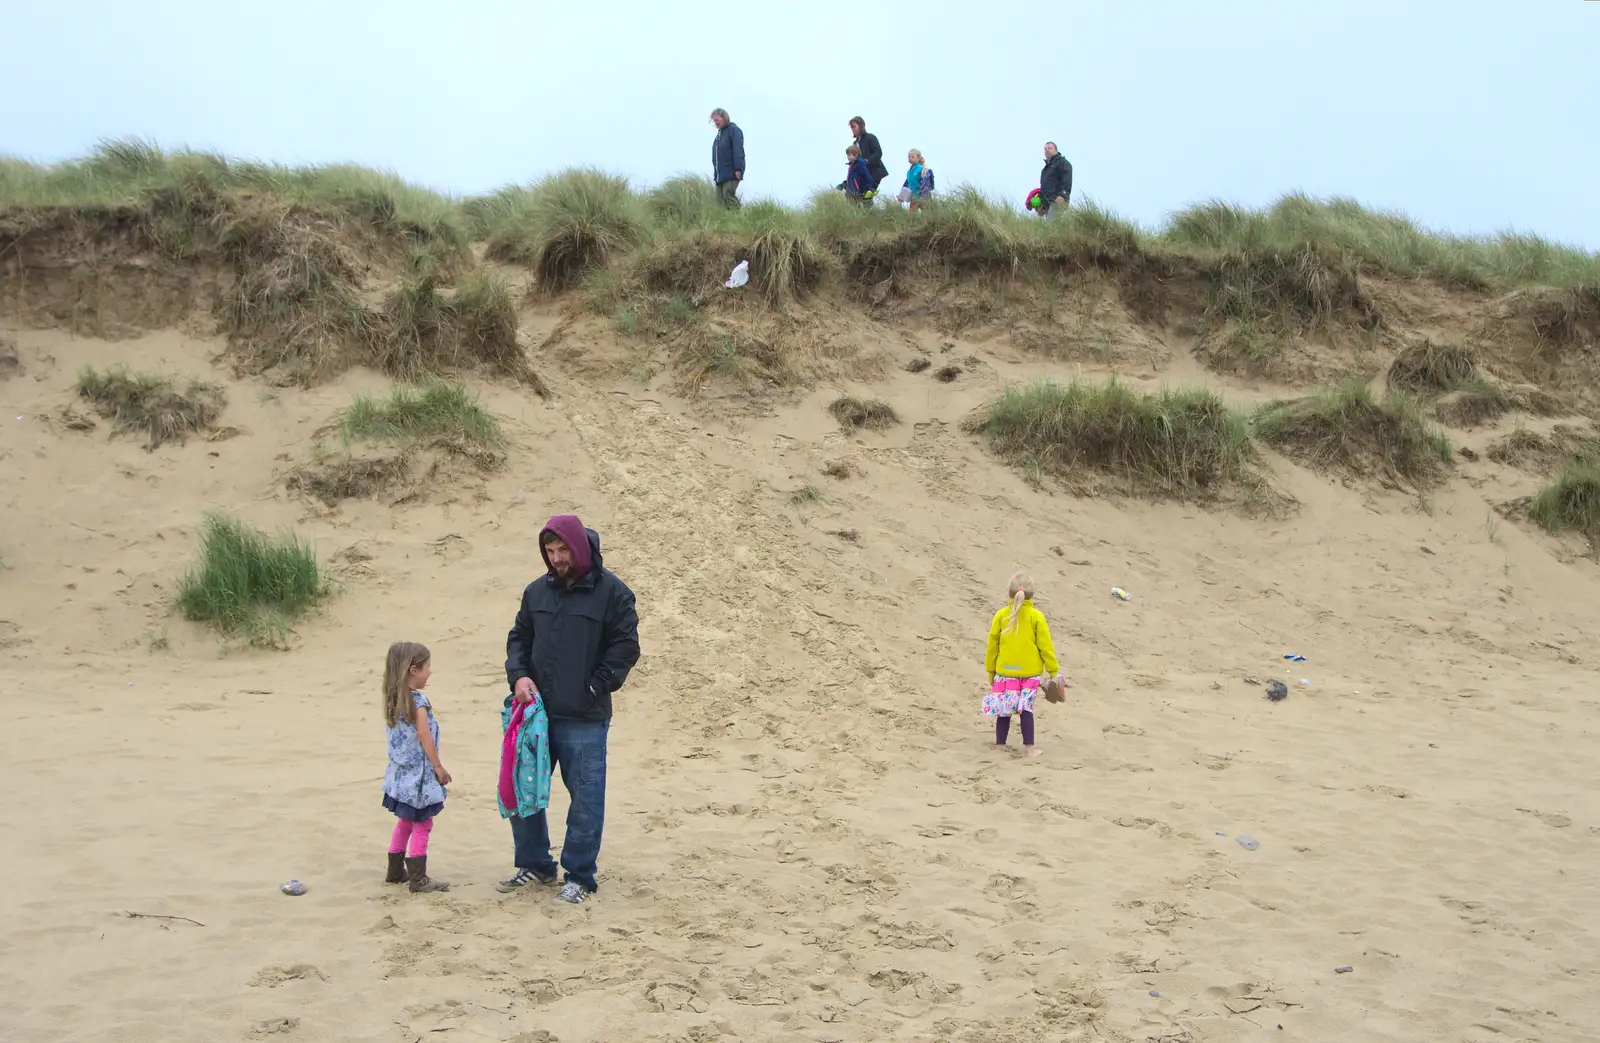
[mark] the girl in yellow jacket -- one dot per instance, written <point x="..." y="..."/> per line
<point x="1020" y="659"/>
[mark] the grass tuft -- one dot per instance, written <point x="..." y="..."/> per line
<point x="1347" y="428"/>
<point x="1568" y="318"/>
<point x="1185" y="443"/>
<point x="1571" y="503"/>
<point x="1476" y="402"/>
<point x="1260" y="300"/>
<point x="152" y="405"/>
<point x="685" y="201"/>
<point x="1545" y="453"/>
<point x="808" y="495"/>
<point x="1427" y="368"/>
<point x="565" y="225"/>
<point x="437" y="412"/>
<point x="485" y="314"/>
<point x="785" y="264"/>
<point x="351" y="477"/>
<point x="427" y="330"/>
<point x="855" y="414"/>
<point x="1470" y="397"/>
<point x="1380" y="243"/>
<point x="248" y="582"/>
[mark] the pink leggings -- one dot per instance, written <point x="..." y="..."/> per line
<point x="415" y="832"/>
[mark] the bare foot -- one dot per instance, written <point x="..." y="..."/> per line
<point x="1032" y="751"/>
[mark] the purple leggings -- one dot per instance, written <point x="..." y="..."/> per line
<point x="1002" y="728"/>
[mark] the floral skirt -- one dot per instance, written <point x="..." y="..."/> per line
<point x="1009" y="695"/>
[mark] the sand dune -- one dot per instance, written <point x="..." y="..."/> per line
<point x="811" y="836"/>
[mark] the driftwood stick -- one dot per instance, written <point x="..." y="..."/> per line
<point x="163" y="916"/>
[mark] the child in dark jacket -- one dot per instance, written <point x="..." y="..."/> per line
<point x="858" y="183"/>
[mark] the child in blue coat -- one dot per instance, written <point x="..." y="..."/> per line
<point x="858" y="183"/>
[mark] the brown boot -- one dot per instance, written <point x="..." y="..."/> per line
<point x="417" y="876"/>
<point x="397" y="868"/>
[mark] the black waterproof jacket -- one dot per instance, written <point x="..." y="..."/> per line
<point x="872" y="152"/>
<point x="576" y="642"/>
<point x="1055" y="180"/>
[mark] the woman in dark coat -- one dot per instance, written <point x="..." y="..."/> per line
<point x="871" y="151"/>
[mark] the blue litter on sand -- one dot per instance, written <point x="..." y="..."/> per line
<point x="293" y="887"/>
<point x="1249" y="843"/>
<point x="1295" y="658"/>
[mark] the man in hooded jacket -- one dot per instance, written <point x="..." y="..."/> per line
<point x="575" y="639"/>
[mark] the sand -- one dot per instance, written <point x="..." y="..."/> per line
<point x="810" y="834"/>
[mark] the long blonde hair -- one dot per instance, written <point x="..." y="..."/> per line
<point x="1021" y="590"/>
<point x="404" y="657"/>
<point x="918" y="153"/>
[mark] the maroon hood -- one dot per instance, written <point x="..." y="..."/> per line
<point x="575" y="536"/>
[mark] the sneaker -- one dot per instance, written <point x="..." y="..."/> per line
<point x="573" y="893"/>
<point x="521" y="878"/>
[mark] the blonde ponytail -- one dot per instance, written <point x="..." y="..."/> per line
<point x="1021" y="590"/>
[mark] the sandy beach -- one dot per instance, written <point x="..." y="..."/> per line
<point x="810" y="834"/>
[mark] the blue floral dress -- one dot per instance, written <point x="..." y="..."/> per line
<point x="410" y="788"/>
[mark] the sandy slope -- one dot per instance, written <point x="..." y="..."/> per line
<point x="810" y="835"/>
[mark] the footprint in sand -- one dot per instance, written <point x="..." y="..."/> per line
<point x="541" y="991"/>
<point x="1549" y="818"/>
<point x="272" y="977"/>
<point x="666" y="996"/>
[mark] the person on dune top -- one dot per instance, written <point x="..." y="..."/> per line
<point x="727" y="158"/>
<point x="858" y="184"/>
<point x="871" y="150"/>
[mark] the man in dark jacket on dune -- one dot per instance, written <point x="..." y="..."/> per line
<point x="1055" y="181"/>
<point x="574" y="641"/>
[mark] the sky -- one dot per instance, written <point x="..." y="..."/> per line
<point x="1467" y="115"/>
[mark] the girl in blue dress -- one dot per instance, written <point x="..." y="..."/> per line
<point x="413" y="786"/>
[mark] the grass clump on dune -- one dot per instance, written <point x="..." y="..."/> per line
<point x="1545" y="453"/>
<point x="152" y="405"/>
<point x="423" y="431"/>
<point x="854" y="414"/>
<point x="295" y="245"/>
<point x="427" y="329"/>
<point x="1571" y="503"/>
<point x="1185" y="443"/>
<point x="564" y="226"/>
<point x="435" y="412"/>
<point x="684" y="201"/>
<point x="1260" y="300"/>
<point x="1429" y="368"/>
<point x="1381" y="243"/>
<point x="1470" y="397"/>
<point x="1347" y="428"/>
<point x="248" y="582"/>
<point x="132" y="171"/>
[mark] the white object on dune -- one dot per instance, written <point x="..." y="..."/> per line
<point x="740" y="276"/>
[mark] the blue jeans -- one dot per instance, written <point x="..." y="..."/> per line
<point x="578" y="748"/>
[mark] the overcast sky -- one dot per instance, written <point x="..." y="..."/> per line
<point x="1470" y="115"/>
